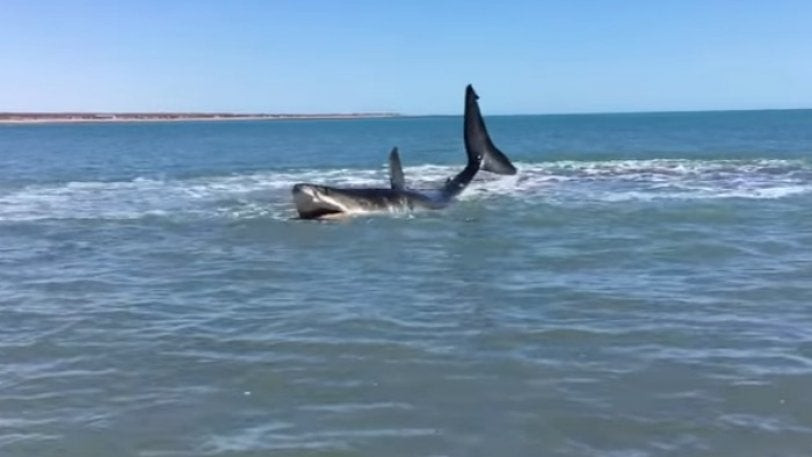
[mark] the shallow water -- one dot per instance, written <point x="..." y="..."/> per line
<point x="641" y="288"/>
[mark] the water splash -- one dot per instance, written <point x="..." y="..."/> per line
<point x="266" y="194"/>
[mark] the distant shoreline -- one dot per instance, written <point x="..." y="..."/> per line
<point x="60" y="118"/>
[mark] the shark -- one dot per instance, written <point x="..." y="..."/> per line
<point x="315" y="201"/>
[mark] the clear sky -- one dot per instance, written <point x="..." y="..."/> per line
<point x="413" y="57"/>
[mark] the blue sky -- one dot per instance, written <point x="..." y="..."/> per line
<point x="410" y="57"/>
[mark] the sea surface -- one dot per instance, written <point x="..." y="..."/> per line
<point x="643" y="287"/>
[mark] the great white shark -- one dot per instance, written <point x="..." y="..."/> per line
<point x="323" y="202"/>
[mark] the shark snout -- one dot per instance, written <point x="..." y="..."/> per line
<point x="302" y="189"/>
<point x="309" y="190"/>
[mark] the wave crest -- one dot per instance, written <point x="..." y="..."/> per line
<point x="266" y="194"/>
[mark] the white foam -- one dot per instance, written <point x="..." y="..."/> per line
<point x="645" y="180"/>
<point x="267" y="194"/>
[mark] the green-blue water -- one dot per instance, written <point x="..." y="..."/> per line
<point x="643" y="287"/>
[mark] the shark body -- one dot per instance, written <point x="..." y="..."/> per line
<point x="315" y="201"/>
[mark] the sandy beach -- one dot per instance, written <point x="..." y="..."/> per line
<point x="51" y="118"/>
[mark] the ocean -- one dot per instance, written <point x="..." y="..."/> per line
<point x="642" y="287"/>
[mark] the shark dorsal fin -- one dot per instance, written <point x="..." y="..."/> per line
<point x="396" y="171"/>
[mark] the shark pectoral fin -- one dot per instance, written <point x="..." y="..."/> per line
<point x="396" y="178"/>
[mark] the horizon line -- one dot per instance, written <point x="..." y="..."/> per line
<point x="652" y="111"/>
<point x="101" y="115"/>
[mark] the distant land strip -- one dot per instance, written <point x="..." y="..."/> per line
<point x="24" y="118"/>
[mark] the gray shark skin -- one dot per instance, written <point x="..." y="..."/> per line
<point x="323" y="202"/>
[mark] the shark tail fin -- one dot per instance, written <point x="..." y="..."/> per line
<point x="497" y="162"/>
<point x="478" y="143"/>
<point x="396" y="178"/>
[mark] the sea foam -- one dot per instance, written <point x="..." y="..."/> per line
<point x="267" y="194"/>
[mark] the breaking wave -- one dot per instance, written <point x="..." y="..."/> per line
<point x="266" y="194"/>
